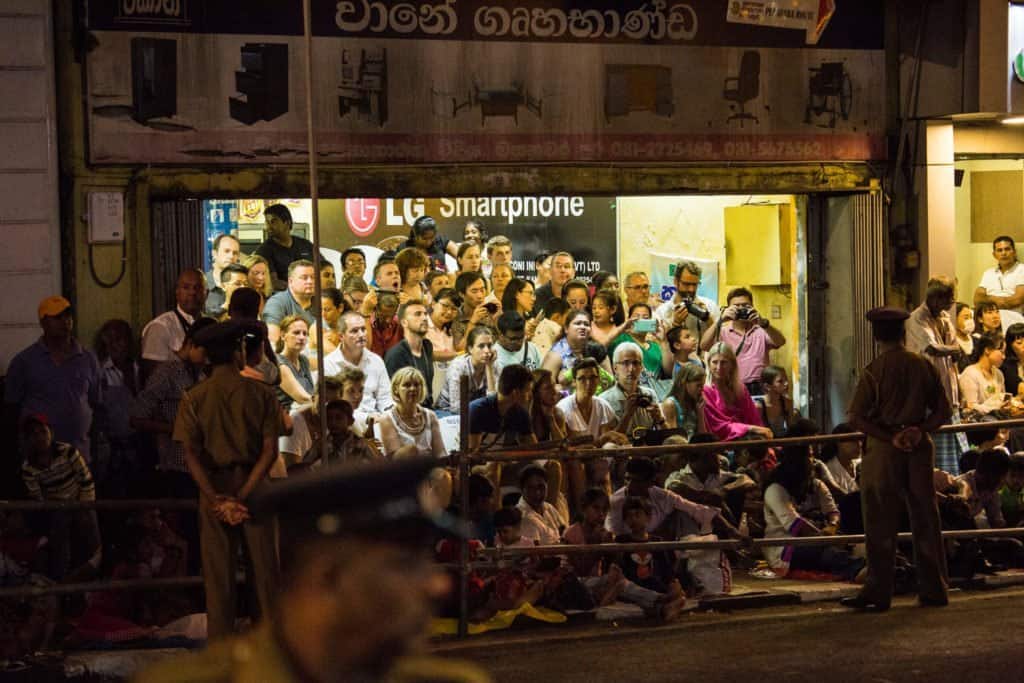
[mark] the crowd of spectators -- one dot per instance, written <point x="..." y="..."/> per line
<point x="544" y="360"/>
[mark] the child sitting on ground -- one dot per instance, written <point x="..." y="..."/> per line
<point x="343" y="445"/>
<point x="514" y="583"/>
<point x="603" y="578"/>
<point x="1011" y="495"/>
<point x="654" y="571"/>
<point x="54" y="470"/>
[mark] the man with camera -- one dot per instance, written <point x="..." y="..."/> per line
<point x="686" y="308"/>
<point x="634" y="405"/>
<point x="749" y="335"/>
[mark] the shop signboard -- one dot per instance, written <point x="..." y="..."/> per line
<point x="458" y="81"/>
<point x="583" y="226"/>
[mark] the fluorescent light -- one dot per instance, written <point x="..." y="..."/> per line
<point x="1013" y="121"/>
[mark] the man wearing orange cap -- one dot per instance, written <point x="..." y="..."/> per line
<point x="56" y="377"/>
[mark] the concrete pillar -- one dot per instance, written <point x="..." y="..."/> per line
<point x="936" y="207"/>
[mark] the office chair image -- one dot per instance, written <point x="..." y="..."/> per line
<point x="745" y="87"/>
<point x="830" y="92"/>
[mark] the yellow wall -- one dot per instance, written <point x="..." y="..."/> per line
<point x="695" y="226"/>
<point x="974" y="258"/>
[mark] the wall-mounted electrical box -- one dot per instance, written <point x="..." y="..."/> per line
<point x="106" y="217"/>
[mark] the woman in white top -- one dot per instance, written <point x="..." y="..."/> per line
<point x="586" y="414"/>
<point x="797" y="504"/>
<point x="408" y="429"/>
<point x="478" y="364"/>
<point x="982" y="387"/>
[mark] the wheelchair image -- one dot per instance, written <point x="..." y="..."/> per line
<point x="830" y="93"/>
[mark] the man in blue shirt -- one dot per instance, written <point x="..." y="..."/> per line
<point x="56" y="377"/>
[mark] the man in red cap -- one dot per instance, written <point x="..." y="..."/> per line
<point x="898" y="402"/>
<point x="56" y="377"/>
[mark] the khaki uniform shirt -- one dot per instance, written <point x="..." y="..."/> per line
<point x="898" y="388"/>
<point x="257" y="657"/>
<point x="227" y="417"/>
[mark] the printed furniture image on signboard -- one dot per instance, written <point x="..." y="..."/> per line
<point x="263" y="83"/>
<point x="154" y="78"/>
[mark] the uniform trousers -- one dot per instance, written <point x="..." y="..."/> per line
<point x="219" y="545"/>
<point x="891" y="481"/>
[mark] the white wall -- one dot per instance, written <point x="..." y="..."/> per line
<point x="29" y="219"/>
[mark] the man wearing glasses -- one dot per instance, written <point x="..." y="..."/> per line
<point x="686" y="308"/>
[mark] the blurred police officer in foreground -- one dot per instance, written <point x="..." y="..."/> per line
<point x="358" y="585"/>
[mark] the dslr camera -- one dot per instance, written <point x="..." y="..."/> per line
<point x="643" y="401"/>
<point x="695" y="309"/>
<point x="743" y="313"/>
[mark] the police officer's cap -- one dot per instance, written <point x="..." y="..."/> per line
<point x="384" y="500"/>
<point x="886" y="314"/>
<point x="219" y="336"/>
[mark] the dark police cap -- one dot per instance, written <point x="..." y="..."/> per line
<point x="384" y="500"/>
<point x="227" y="335"/>
<point x="886" y="314"/>
<point x="220" y="335"/>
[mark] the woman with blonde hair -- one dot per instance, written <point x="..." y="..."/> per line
<point x="259" y="275"/>
<point x="408" y="429"/>
<point x="296" y="376"/>
<point x="684" y="406"/>
<point x="729" y="412"/>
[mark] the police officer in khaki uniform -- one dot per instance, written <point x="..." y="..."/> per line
<point x="228" y="426"/>
<point x="898" y="402"/>
<point x="358" y="585"/>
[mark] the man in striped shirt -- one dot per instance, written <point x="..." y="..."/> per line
<point x="54" y="470"/>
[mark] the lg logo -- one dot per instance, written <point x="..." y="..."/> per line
<point x="362" y="215"/>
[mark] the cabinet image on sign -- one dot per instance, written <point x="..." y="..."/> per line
<point x="263" y="83"/>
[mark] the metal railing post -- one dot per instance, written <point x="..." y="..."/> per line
<point x="464" y="474"/>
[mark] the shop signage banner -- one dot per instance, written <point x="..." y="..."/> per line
<point x="584" y="226"/>
<point x="811" y="16"/>
<point x="663" y="272"/>
<point x="450" y="81"/>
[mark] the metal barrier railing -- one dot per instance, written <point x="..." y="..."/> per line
<point x="566" y="452"/>
<point x="463" y="462"/>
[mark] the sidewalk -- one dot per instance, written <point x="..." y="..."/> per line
<point x="748" y="594"/>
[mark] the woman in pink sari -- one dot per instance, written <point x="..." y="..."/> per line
<point x="729" y="412"/>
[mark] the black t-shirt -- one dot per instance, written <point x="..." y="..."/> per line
<point x="400" y="356"/>
<point x="436" y="252"/>
<point x="651" y="570"/>
<point x="543" y="295"/>
<point x="280" y="257"/>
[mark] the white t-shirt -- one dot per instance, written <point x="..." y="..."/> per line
<point x="997" y="283"/>
<point x="503" y="357"/>
<point x="164" y="335"/>
<point x="666" y="311"/>
<point x="783" y="517"/>
<point x="600" y="414"/>
<point x="982" y="394"/>
<point x="428" y="442"/>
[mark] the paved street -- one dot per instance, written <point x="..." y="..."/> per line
<point x="977" y="638"/>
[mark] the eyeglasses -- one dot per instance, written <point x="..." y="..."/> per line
<point x="647" y="286"/>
